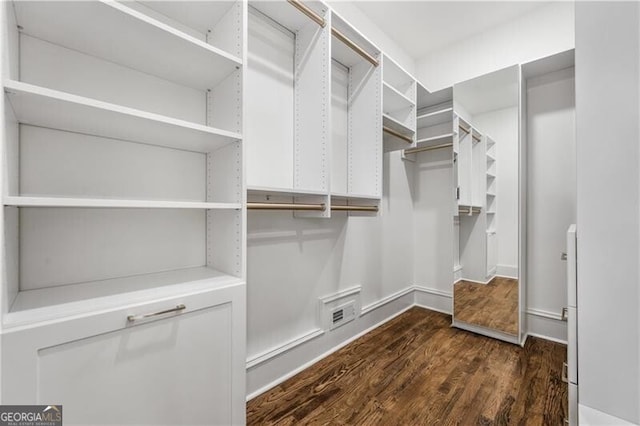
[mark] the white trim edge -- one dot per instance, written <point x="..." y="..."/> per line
<point x="277" y="350"/>
<point x="323" y="355"/>
<point x="543" y="337"/>
<point x="544" y="314"/>
<point x="388" y="299"/>
<point x="341" y="294"/>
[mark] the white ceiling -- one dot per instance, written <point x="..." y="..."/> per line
<point x="422" y="26"/>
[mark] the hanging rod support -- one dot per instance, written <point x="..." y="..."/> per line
<point x="353" y="46"/>
<point x="427" y="148"/>
<point x="307" y="11"/>
<point x="397" y="134"/>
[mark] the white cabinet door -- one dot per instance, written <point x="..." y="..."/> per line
<point x="179" y="368"/>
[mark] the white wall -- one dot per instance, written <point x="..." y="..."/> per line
<point x="608" y="213"/>
<point x="551" y="187"/>
<point x="544" y="31"/>
<point x="434" y="243"/>
<point x="349" y="11"/>
<point x="502" y="126"/>
<point x="292" y="262"/>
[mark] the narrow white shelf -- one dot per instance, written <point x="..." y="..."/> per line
<point x="490" y="158"/>
<point x="393" y="100"/>
<point x="266" y="190"/>
<point x="346" y="196"/>
<point x="396" y="76"/>
<point x="491" y="212"/>
<point x="435" y="117"/>
<point x="19" y="201"/>
<point x="396" y="125"/>
<point x="491" y="175"/>
<point x="489" y="194"/>
<point x="437" y="138"/>
<point x="74" y="299"/>
<point x="117" y="33"/>
<point x="39" y="106"/>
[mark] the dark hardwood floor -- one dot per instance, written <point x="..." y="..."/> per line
<point x="493" y="305"/>
<point x="417" y="370"/>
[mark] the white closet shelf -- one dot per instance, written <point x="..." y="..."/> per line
<point x="490" y="175"/>
<point x="490" y="158"/>
<point x="490" y="194"/>
<point x="73" y="299"/>
<point x="491" y="212"/>
<point x="20" y="201"/>
<point x="42" y="107"/>
<point x="346" y="197"/>
<point x="396" y="125"/>
<point x="265" y="190"/>
<point x="393" y="100"/>
<point x="447" y="137"/>
<point x="396" y="76"/>
<point x="117" y="33"/>
<point x="435" y="117"/>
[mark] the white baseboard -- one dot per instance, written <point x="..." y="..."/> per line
<point x="275" y="365"/>
<point x="433" y="299"/>
<point x="294" y="356"/>
<point x="507" y="271"/>
<point x="546" y="325"/>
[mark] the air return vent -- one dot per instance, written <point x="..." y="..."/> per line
<point x="343" y="314"/>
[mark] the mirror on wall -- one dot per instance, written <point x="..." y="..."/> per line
<point x="486" y="290"/>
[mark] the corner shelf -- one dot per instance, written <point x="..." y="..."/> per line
<point x="44" y="107"/>
<point x="21" y="201"/>
<point x="435" y="117"/>
<point x="393" y="100"/>
<point x="396" y="125"/>
<point x="448" y="137"/>
<point x="122" y="35"/>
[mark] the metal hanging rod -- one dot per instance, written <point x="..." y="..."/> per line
<point x="307" y="11"/>
<point x="355" y="208"/>
<point x="397" y="134"/>
<point x="427" y="148"/>
<point x="351" y="44"/>
<point x="308" y="207"/>
<point x="335" y="32"/>
<point x="285" y="206"/>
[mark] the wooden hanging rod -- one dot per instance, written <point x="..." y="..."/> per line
<point x="308" y="207"/>
<point x="397" y="134"/>
<point x="476" y="137"/>
<point x="335" y="32"/>
<point x="427" y="148"/>
<point x="464" y="129"/>
<point x="285" y="206"/>
<point x="355" y="208"/>
<point x="307" y="11"/>
<point x="351" y="44"/>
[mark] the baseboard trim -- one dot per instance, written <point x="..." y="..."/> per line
<point x="385" y="300"/>
<point x="323" y="355"/>
<point x="509" y="338"/>
<point x="432" y="296"/>
<point x="544" y="314"/>
<point x="549" y="338"/>
<point x="280" y="349"/>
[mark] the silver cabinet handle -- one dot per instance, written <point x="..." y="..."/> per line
<point x="563" y="256"/>
<point x="565" y="368"/>
<point x="132" y="318"/>
<point x="565" y="312"/>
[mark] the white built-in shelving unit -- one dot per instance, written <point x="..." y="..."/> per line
<point x="491" y="207"/>
<point x="314" y="135"/>
<point x="123" y="195"/>
<point x="399" y="106"/>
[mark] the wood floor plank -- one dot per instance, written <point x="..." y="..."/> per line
<point x="417" y="370"/>
<point x="492" y="305"/>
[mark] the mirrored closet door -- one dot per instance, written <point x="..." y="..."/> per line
<point x="487" y="287"/>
